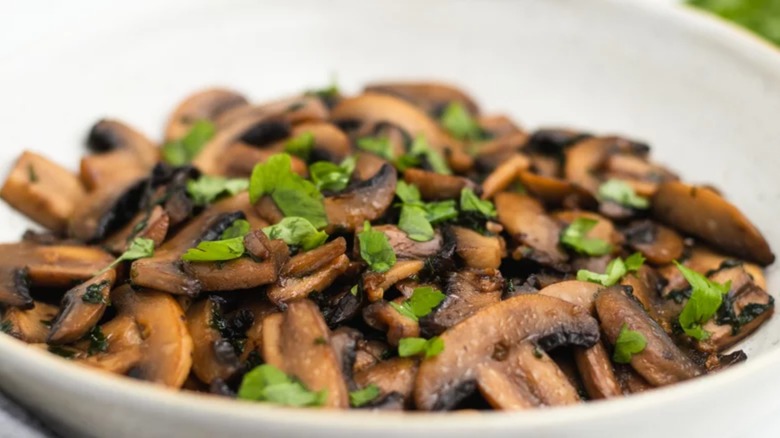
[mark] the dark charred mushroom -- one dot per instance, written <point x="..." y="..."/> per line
<point x="705" y="214"/>
<point x="208" y="104"/>
<point x="81" y="309"/>
<point x="213" y="357"/>
<point x="549" y="322"/>
<point x="364" y="201"/>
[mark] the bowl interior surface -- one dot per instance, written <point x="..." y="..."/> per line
<point x="704" y="96"/>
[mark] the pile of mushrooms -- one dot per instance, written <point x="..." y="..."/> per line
<point x="524" y="316"/>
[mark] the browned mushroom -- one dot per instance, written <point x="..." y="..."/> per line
<point x="658" y="244"/>
<point x="603" y="230"/>
<point x="259" y="308"/>
<point x="29" y="325"/>
<point x="81" y="309"/>
<point x="549" y="322"/>
<point x="125" y="349"/>
<point x="382" y="316"/>
<point x="287" y="289"/>
<point x="329" y="143"/>
<point x="504" y="175"/>
<point x="298" y="343"/>
<point x="431" y="97"/>
<point x="705" y="214"/>
<point x="364" y="201"/>
<point x="107" y="209"/>
<point x="392" y="375"/>
<point x="436" y="186"/>
<point x="122" y="155"/>
<point x="305" y="263"/>
<point x="476" y="250"/>
<point x="468" y="291"/>
<point x="150" y="225"/>
<point x="213" y="357"/>
<point x="491" y="153"/>
<point x="376" y="283"/>
<point x="555" y="192"/>
<point x="406" y="248"/>
<point x="661" y="362"/>
<point x="583" y="158"/>
<point x="42" y="191"/>
<point x="645" y="286"/>
<point x="207" y="104"/>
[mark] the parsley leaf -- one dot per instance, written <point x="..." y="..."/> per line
<point x="415" y="346"/>
<point x="574" y="236"/>
<point x="239" y="228"/>
<point x="183" y="151"/>
<point x="363" y="396"/>
<point x="414" y="222"/>
<point x="706" y="298"/>
<point x="97" y="341"/>
<point x="417" y="217"/>
<point x="328" y="93"/>
<point x="375" y="249"/>
<point x="293" y="195"/>
<point x="616" y="269"/>
<point x="139" y="248"/>
<point x="469" y="201"/>
<point x="628" y="343"/>
<point x="458" y="122"/>
<point x="420" y="150"/>
<point x="760" y="16"/>
<point x="421" y="303"/>
<point x="330" y="176"/>
<point x="94" y="293"/>
<point x="622" y="193"/>
<point x="377" y="145"/>
<point x="300" y="145"/>
<point x="408" y="193"/>
<point x="296" y="231"/>
<point x="268" y="383"/>
<point x="229" y="247"/>
<point x="441" y="211"/>
<point x="206" y="189"/>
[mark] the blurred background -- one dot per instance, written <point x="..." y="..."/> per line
<point x="760" y="16"/>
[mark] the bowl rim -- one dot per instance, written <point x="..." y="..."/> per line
<point x="758" y="52"/>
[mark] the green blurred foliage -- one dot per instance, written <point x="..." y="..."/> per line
<point x="760" y="16"/>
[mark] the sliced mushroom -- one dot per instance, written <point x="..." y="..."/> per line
<point x="603" y="230"/>
<point x="298" y="343"/>
<point x="43" y="191"/>
<point x="406" y="248"/>
<point x="659" y="244"/>
<point x="123" y="155"/>
<point x="125" y="347"/>
<point x="260" y="309"/>
<point x="305" y="263"/>
<point x="376" y="283"/>
<point x="213" y="357"/>
<point x="498" y="125"/>
<point x="81" y="309"/>
<point x="431" y="97"/>
<point x="581" y="293"/>
<point x="238" y="274"/>
<point x="364" y="201"/>
<point x="637" y="171"/>
<point x="29" y="325"/>
<point x="287" y="289"/>
<point x="504" y="175"/>
<point x="555" y="192"/>
<point x="525" y="220"/>
<point x="436" y="186"/>
<point x="584" y="158"/>
<point x="208" y="104"/>
<point x="167" y="345"/>
<point x="476" y="250"/>
<point x="645" y="285"/>
<point x="630" y="381"/>
<point x="382" y="316"/>
<point x="497" y="150"/>
<point x="661" y="362"/>
<point x="390" y="376"/>
<point x="705" y="214"/>
<point x="150" y="225"/>
<point x="468" y="292"/>
<point x="549" y="322"/>
<point x="329" y="142"/>
<point x="107" y="209"/>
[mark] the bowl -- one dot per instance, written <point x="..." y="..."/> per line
<point x="703" y="94"/>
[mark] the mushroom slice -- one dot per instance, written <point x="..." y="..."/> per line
<point x="287" y="289"/>
<point x="374" y="108"/>
<point x="597" y="373"/>
<point x="213" y="357"/>
<point x="242" y="273"/>
<point x="555" y="192"/>
<point x="504" y="175"/>
<point x="630" y="381"/>
<point x="525" y="220"/>
<point x="431" y="97"/>
<point x="167" y="345"/>
<point x="375" y="283"/>
<point x="497" y="125"/>
<point x="207" y="104"/>
<point x="43" y="191"/>
<point x="364" y="201"/>
<point x="330" y="142"/>
<point x="745" y="308"/>
<point x="581" y="293"/>
<point x="645" y="285"/>
<point x="123" y="154"/>
<point x="150" y="225"/>
<point x="305" y="263"/>
<point x="502" y="147"/>
<point x="29" y="325"/>
<point x="476" y="250"/>
<point x="436" y="186"/>
<point x="549" y="322"/>
<point x="661" y="362"/>
<point x="406" y="248"/>
<point x="524" y="377"/>
<point x="382" y="316"/>
<point x="107" y="209"/>
<point x="637" y="171"/>
<point x="15" y="287"/>
<point x="259" y="309"/>
<point x="467" y="292"/>
<point x="705" y="214"/>
<point x="297" y="342"/>
<point x="659" y="244"/>
<point x="603" y="230"/>
<point x="125" y="347"/>
<point x="392" y="375"/>
<point x="584" y="158"/>
<point x="81" y="309"/>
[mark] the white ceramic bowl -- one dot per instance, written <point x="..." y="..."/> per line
<point x="705" y="95"/>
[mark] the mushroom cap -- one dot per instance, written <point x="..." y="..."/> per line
<point x="76" y="316"/>
<point x="431" y="97"/>
<point x="365" y="201"/>
<point x="207" y="104"/>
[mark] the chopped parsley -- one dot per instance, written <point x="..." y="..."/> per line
<point x="622" y="193"/>
<point x="458" y="122"/>
<point x="293" y="195"/>
<point x="575" y="237"/>
<point x="230" y="245"/>
<point x="706" y="298"/>
<point x="375" y="249"/>
<point x="420" y="346"/>
<point x="377" y="145"/>
<point x="414" y="222"/>
<point x="331" y="92"/>
<point x="616" y="269"/>
<point x="332" y="177"/>
<point x="628" y="343"/>
<point x="31" y="175"/>
<point x="140" y="247"/>
<point x="354" y="290"/>
<point x="183" y="151"/>
<point x="421" y="303"/>
<point x="94" y="293"/>
<point x="417" y="218"/>
<point x="97" y="341"/>
<point x="469" y="201"/>
<point x="363" y="396"/>
<point x="62" y="351"/>
<point x="269" y="384"/>
<point x="296" y="231"/>
<point x="206" y="189"/>
<point x="760" y="16"/>
<point x="6" y="327"/>
<point x="300" y="146"/>
<point x="419" y="151"/>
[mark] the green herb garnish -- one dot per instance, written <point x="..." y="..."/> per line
<point x="375" y="249"/>
<point x="269" y="384"/>
<point x="300" y="145"/>
<point x="760" y="16"/>
<point x="575" y="237"/>
<point x="458" y="122"/>
<point x="230" y="246"/>
<point x="469" y="201"/>
<point x="206" y="189"/>
<point x="330" y="176"/>
<point x="363" y="396"/>
<point x="296" y="231"/>
<point x="140" y="247"/>
<point x="377" y="145"/>
<point x="420" y="150"/>
<point x="97" y="341"/>
<point x="62" y="351"/>
<point x="420" y="346"/>
<point x="417" y="218"/>
<point x="183" y="151"/>
<point x="628" y="343"/>
<point x="706" y="298"/>
<point x="622" y="193"/>
<point x="31" y="175"/>
<point x="421" y="303"/>
<point x="6" y="327"/>
<point x="94" y="293"/>
<point x="616" y="269"/>
<point x="414" y="222"/>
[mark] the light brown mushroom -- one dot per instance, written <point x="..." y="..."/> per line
<point x="287" y="289"/>
<point x="436" y="186"/>
<point x="392" y="375"/>
<point x="384" y="317"/>
<point x="492" y="152"/>
<point x="556" y="192"/>
<point x="549" y="322"/>
<point x="406" y="248"/>
<point x="364" y="201"/>
<point x="107" y="209"/>
<point x="125" y="349"/>
<point x="376" y="283"/>
<point x="81" y="308"/>
<point x="476" y="250"/>
<point x="658" y="244"/>
<point x="43" y="191"/>
<point x="705" y="214"/>
<point x="305" y="263"/>
<point x="213" y="357"/>
<point x="467" y="292"/>
<point x="29" y="325"/>
<point x="123" y="154"/>
<point x="431" y="97"/>
<point x="504" y="175"/>
<point x="151" y="224"/>
<point x="207" y="104"/>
